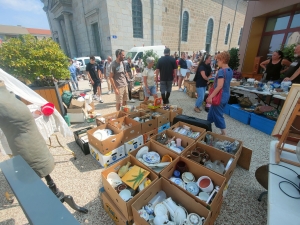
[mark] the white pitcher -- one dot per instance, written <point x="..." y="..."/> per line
<point x="171" y="206"/>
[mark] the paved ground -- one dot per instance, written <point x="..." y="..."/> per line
<point x="81" y="178"/>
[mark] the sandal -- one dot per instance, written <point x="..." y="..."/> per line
<point x="197" y="110"/>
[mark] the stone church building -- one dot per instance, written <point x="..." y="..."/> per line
<point x="99" y="27"/>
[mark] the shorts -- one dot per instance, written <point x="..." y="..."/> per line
<point x="123" y="95"/>
<point x="152" y="91"/>
<point x="97" y="83"/>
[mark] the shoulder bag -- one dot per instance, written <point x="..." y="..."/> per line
<point x="216" y="100"/>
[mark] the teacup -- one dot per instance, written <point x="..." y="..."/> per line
<point x="125" y="195"/>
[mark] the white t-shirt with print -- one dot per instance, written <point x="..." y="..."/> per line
<point x="149" y="73"/>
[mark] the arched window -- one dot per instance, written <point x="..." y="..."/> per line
<point x="137" y="18"/>
<point x="209" y="33"/>
<point x="227" y="34"/>
<point x="240" y="37"/>
<point x="185" y="26"/>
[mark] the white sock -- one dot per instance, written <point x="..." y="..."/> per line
<point x="100" y="97"/>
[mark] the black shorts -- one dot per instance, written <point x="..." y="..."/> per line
<point x="97" y="83"/>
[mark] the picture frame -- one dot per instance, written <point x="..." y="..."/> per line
<point x="286" y="112"/>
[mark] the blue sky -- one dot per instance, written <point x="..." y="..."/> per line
<point x="27" y="13"/>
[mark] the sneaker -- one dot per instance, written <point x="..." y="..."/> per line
<point x="95" y="97"/>
<point x="101" y="101"/>
<point x="180" y="89"/>
<point x="132" y="101"/>
<point x="109" y="92"/>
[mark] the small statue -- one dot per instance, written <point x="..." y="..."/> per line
<point x="124" y="169"/>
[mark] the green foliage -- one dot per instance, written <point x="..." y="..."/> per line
<point x="288" y="52"/>
<point x="29" y="59"/>
<point x="234" y="61"/>
<point x="150" y="53"/>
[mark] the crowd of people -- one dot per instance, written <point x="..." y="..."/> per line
<point x="208" y="70"/>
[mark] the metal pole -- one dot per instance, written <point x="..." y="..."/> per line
<point x="180" y="24"/>
<point x="237" y="2"/>
<point x="219" y="26"/>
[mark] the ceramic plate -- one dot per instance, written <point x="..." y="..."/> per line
<point x="178" y="181"/>
<point x="160" y="209"/>
<point x="188" y="177"/>
<point x="151" y="157"/>
<point x="142" y="152"/>
<point x="193" y="188"/>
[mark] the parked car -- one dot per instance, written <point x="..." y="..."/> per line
<point x="137" y="52"/>
<point x="85" y="60"/>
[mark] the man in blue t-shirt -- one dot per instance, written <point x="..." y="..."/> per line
<point x="72" y="70"/>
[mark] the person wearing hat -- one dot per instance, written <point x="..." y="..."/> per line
<point x="165" y="67"/>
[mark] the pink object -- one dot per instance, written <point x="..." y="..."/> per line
<point x="48" y="109"/>
<point x="82" y="94"/>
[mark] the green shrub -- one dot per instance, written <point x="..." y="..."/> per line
<point x="150" y="53"/>
<point x="234" y="61"/>
<point x="29" y="59"/>
<point x="288" y="52"/>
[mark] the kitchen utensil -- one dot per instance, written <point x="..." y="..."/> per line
<point x="188" y="177"/>
<point x="125" y="195"/>
<point x="151" y="157"/>
<point x="205" y="184"/>
<point x="192" y="187"/>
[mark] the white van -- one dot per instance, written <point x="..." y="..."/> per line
<point x="137" y="52"/>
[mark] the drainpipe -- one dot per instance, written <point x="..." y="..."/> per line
<point x="180" y="24"/>
<point x="152" y="21"/>
<point x="237" y="2"/>
<point x="219" y="26"/>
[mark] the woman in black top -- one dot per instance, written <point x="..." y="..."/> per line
<point x="203" y="73"/>
<point x="275" y="66"/>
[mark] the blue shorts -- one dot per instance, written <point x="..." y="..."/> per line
<point x="152" y="91"/>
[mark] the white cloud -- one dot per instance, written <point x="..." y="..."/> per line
<point x="35" y="6"/>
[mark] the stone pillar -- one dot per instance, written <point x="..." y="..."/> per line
<point x="61" y="37"/>
<point x="70" y="35"/>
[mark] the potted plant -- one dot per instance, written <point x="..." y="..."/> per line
<point x="40" y="64"/>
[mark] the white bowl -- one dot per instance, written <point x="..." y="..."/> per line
<point x="208" y="188"/>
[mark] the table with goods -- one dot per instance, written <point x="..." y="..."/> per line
<point x="179" y="175"/>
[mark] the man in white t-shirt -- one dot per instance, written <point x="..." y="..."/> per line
<point x="189" y="64"/>
<point x="107" y="73"/>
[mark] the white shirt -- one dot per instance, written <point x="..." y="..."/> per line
<point x="107" y="68"/>
<point x="149" y="73"/>
<point x="189" y="64"/>
<point x="77" y="64"/>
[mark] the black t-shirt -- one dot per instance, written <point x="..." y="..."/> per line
<point x="292" y="69"/>
<point x="93" y="70"/>
<point x="166" y="65"/>
<point x="182" y="64"/>
<point x="200" y="82"/>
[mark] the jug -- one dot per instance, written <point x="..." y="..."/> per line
<point x="171" y="206"/>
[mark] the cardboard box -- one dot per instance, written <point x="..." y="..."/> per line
<point x="214" y="154"/>
<point x="235" y="83"/>
<point x="163" y="128"/>
<point x="112" y="210"/>
<point x="175" y="113"/>
<point x="146" y="126"/>
<point x="161" y="150"/>
<point x="185" y="141"/>
<point x="74" y="104"/>
<point x="214" y="215"/>
<point x="130" y="133"/>
<point x="193" y="128"/>
<point x="162" y="119"/>
<point x="223" y="138"/>
<point x="198" y="171"/>
<point x="177" y="195"/>
<point x="108" y="144"/>
<point x="84" y="145"/>
<point x="110" y="116"/>
<point x="147" y="136"/>
<point x="125" y="207"/>
<point x="77" y="115"/>
<point x="133" y="144"/>
<point x="109" y="158"/>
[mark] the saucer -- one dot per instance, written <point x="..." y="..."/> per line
<point x="178" y="181"/>
<point x="160" y="209"/>
<point x="144" y="150"/>
<point x="151" y="157"/>
<point x="187" y="177"/>
<point x="192" y="187"/>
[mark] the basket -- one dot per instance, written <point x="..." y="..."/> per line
<point x="244" y="102"/>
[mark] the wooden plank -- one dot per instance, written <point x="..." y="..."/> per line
<point x="55" y="100"/>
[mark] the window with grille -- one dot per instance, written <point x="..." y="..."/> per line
<point x="227" y="34"/>
<point x="137" y="18"/>
<point x="185" y="26"/>
<point x="240" y="37"/>
<point x="209" y="33"/>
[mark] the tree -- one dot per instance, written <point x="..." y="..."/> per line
<point x="150" y="53"/>
<point x="29" y="59"/>
<point x="234" y="61"/>
<point x="288" y="52"/>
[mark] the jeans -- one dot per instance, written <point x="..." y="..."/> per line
<point x="74" y="81"/>
<point x="152" y="91"/>
<point x="165" y="86"/>
<point x="201" y="94"/>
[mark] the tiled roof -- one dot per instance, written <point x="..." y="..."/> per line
<point x="39" y="31"/>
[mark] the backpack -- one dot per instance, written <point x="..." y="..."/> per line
<point x="67" y="97"/>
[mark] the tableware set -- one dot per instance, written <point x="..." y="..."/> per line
<point x="103" y="134"/>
